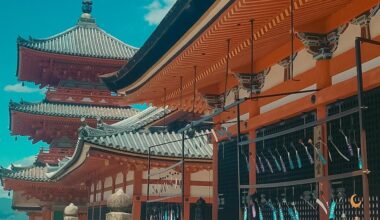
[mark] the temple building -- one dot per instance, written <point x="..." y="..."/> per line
<point x="68" y="65"/>
<point x="292" y="92"/>
<point x="97" y="142"/>
<point x="260" y="110"/>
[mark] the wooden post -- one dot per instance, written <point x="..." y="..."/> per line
<point x="215" y="204"/>
<point x="137" y="192"/>
<point x="125" y="174"/>
<point x="113" y="183"/>
<point x="187" y="195"/>
<point x="324" y="81"/>
<point x="254" y="110"/>
<point x="46" y="213"/>
<point x="102" y="189"/>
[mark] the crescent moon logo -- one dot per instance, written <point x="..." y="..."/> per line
<point x="353" y="203"/>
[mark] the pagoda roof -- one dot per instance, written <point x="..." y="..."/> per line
<point x="73" y="110"/>
<point x="31" y="173"/>
<point x="35" y="174"/>
<point x="85" y="39"/>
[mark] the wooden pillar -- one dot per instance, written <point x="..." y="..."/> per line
<point x="46" y="213"/>
<point x="215" y="194"/>
<point x="102" y="189"/>
<point x="323" y="73"/>
<point x="187" y="194"/>
<point x="82" y="216"/>
<point x="323" y="81"/>
<point x="113" y="183"/>
<point x="252" y="162"/>
<point x="125" y="174"/>
<point x="31" y="216"/>
<point x="254" y="110"/>
<point x="137" y="192"/>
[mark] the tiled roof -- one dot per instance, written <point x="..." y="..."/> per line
<point x="71" y="110"/>
<point x="37" y="174"/>
<point x="168" y="144"/>
<point x="124" y="135"/>
<point x="85" y="39"/>
<point x="132" y="123"/>
<point x="181" y="17"/>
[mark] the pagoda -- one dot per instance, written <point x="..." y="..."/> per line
<point x="68" y="65"/>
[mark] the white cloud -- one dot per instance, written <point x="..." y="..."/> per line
<point x="25" y="162"/>
<point x="157" y="10"/>
<point x="19" y="88"/>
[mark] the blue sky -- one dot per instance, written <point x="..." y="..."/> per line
<point x="132" y="21"/>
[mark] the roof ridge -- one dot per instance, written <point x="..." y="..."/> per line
<point x="60" y="34"/>
<point x="116" y="39"/>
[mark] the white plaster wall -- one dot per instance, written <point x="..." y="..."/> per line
<point x="108" y="182"/>
<point x="130" y="175"/>
<point x="119" y="178"/>
<point x="303" y="62"/>
<point x="202" y="175"/>
<point x="129" y="190"/>
<point x="347" y="39"/>
<point x="274" y="77"/>
<point x="107" y="194"/>
<point x="375" y="25"/>
<point x="92" y="197"/>
<point x="98" y="197"/>
<point x="201" y="191"/>
<point x="99" y="185"/>
<point x="92" y="187"/>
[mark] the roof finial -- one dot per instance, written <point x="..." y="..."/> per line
<point x="85" y="18"/>
<point x="87" y="6"/>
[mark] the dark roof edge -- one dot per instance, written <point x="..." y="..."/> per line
<point x="74" y="158"/>
<point x="79" y="150"/>
<point x="183" y="15"/>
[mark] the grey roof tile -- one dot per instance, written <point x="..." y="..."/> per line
<point x="167" y="143"/>
<point x="133" y="123"/>
<point x="72" y="110"/>
<point x="36" y="174"/>
<point x="84" y="39"/>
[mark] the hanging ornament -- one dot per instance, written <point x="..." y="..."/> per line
<point x="353" y="203"/>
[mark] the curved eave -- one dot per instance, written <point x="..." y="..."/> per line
<point x="28" y="180"/>
<point x="180" y="19"/>
<point x="17" y="107"/>
<point x="81" y="154"/>
<point x="109" y="40"/>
